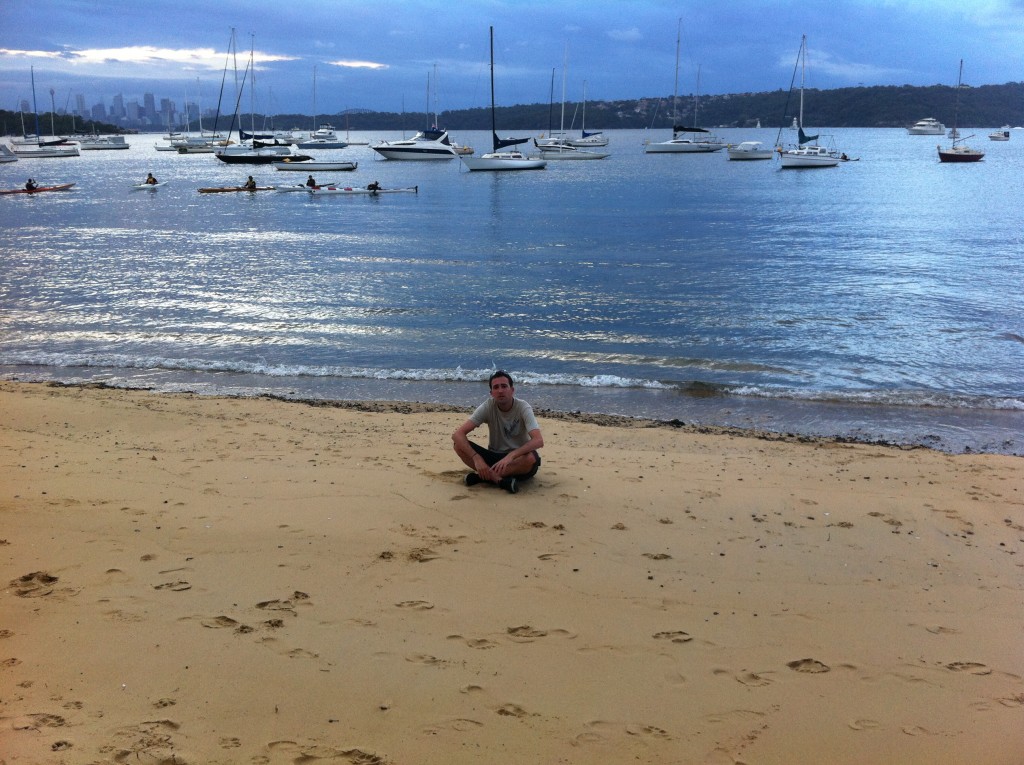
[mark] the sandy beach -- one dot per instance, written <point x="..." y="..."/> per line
<point x="201" y="580"/>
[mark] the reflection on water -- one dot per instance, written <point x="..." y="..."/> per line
<point x="640" y="278"/>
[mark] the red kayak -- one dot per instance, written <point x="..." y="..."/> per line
<point x="38" y="189"/>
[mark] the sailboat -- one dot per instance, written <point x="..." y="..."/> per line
<point x="594" y="138"/>
<point x="958" y="152"/>
<point x="685" y="139"/>
<point x="322" y="137"/>
<point x="498" y="159"/>
<point x="557" y="146"/>
<point x="35" y="145"/>
<point x="255" y="152"/>
<point x="807" y="152"/>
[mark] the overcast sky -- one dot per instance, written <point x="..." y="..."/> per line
<point x="380" y="54"/>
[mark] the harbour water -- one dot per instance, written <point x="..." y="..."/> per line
<point x="879" y="300"/>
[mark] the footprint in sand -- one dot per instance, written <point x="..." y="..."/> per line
<point x="811" y="666"/>
<point x="219" y="622"/>
<point x="478" y="643"/>
<point x="972" y="667"/>
<point x="525" y="632"/>
<point x="675" y="636"/>
<point x="416" y="605"/>
<point x="173" y="586"/>
<point x="511" y="710"/>
<point x="863" y="724"/>
<point x="34" y="585"/>
<point x="752" y="679"/>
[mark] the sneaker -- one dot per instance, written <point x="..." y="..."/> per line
<point x="510" y="485"/>
<point x="472" y="479"/>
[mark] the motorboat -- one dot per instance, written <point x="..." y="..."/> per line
<point x="1003" y="134"/>
<point x="749" y="150"/>
<point x="102" y="142"/>
<point x="431" y="144"/>
<point x="323" y="137"/>
<point x="927" y="126"/>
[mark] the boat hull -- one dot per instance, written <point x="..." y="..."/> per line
<point x="350" y="190"/>
<point x="749" y="150"/>
<point x="39" y="189"/>
<point x="504" y="161"/>
<point x="256" y="158"/>
<point x="682" y="146"/>
<point x="415" y="152"/>
<point x="229" y="189"/>
<point x="314" y="166"/>
<point x="960" y="155"/>
<point x="29" y="151"/>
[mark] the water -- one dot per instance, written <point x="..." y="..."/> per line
<point x="880" y="300"/>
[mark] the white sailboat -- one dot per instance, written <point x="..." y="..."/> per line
<point x="685" y="139"/>
<point x="807" y="152"/>
<point x="557" y="146"/>
<point x="498" y="159"/>
<point x="595" y="138"/>
<point x="36" y="146"/>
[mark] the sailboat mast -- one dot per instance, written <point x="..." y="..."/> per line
<point x="675" y="86"/>
<point x="565" y="63"/>
<point x="494" y="122"/>
<point x="803" y="69"/>
<point x="32" y="71"/>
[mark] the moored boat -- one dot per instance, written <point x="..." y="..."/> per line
<point x="958" y="152"/>
<point x="746" y="150"/>
<point x="314" y="166"/>
<point x="807" y="153"/>
<point x="497" y="159"/>
<point x="927" y="126"/>
<point x="430" y="144"/>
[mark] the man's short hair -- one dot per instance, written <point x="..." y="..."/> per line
<point x="500" y="373"/>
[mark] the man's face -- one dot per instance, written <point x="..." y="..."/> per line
<point x="502" y="392"/>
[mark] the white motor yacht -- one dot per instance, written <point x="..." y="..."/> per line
<point x="927" y="126"/>
<point x="432" y="144"/>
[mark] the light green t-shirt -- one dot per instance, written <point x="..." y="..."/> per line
<point x="507" y="430"/>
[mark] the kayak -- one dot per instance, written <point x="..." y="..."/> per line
<point x="223" y="189"/>
<point x="361" y="190"/>
<point x="38" y="189"/>
<point x="148" y="186"/>
<point x="303" y="187"/>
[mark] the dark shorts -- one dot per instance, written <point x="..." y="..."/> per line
<point x="492" y="457"/>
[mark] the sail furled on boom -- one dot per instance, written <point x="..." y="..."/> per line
<point x="803" y="138"/>
<point x="501" y="143"/>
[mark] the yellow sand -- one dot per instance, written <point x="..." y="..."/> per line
<point x="206" y="580"/>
